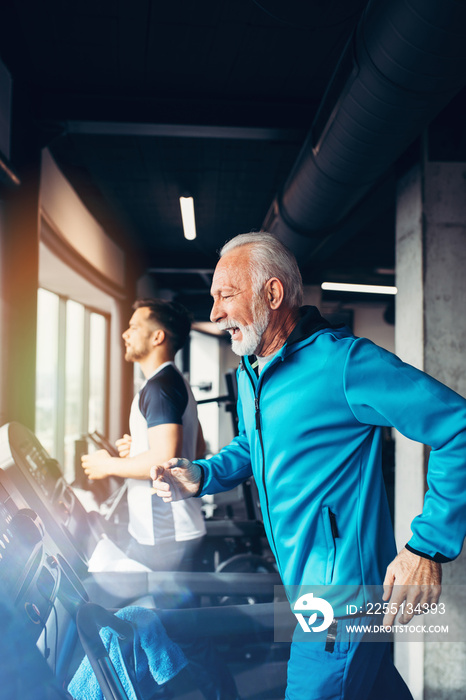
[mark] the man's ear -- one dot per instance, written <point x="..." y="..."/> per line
<point x="158" y="337"/>
<point x="274" y="293"/>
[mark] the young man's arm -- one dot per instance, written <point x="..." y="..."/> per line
<point x="165" y="442"/>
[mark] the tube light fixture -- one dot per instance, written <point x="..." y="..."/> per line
<point x="187" y="215"/>
<point x="362" y="288"/>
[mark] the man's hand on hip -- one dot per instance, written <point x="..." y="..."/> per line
<point x="412" y="583"/>
<point x="176" y="480"/>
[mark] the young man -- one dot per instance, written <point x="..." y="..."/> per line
<point x="163" y="423"/>
<point x="312" y="403"/>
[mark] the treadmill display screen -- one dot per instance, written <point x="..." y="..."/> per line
<point x="41" y="467"/>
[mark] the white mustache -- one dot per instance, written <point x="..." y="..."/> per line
<point x="227" y="325"/>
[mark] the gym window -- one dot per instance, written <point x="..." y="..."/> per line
<point x="72" y="375"/>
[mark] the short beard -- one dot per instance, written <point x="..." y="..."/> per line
<point x="132" y="355"/>
<point x="252" y="334"/>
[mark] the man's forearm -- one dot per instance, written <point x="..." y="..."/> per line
<point x="129" y="467"/>
<point x="100" y="464"/>
<point x="137" y="467"/>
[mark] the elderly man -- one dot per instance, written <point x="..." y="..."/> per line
<point x="312" y="403"/>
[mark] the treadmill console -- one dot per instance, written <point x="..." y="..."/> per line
<point x="38" y="482"/>
<point x="43" y="469"/>
<point x="20" y="444"/>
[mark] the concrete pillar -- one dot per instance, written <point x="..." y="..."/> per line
<point x="430" y="334"/>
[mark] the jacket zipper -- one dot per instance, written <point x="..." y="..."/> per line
<point x="259" y="430"/>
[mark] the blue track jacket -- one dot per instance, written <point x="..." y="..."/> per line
<point x="310" y="433"/>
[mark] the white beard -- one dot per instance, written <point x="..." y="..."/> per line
<point x="251" y="334"/>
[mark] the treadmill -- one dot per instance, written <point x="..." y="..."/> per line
<point x="46" y="541"/>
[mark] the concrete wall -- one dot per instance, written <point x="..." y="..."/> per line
<point x="445" y="359"/>
<point x="431" y="334"/>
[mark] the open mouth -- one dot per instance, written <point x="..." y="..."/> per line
<point x="234" y="332"/>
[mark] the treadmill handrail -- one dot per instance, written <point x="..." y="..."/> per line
<point x="261" y="619"/>
<point x="90" y="618"/>
<point x="133" y="584"/>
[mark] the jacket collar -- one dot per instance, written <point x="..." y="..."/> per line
<point x="310" y="321"/>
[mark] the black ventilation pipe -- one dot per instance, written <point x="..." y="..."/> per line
<point x="403" y="64"/>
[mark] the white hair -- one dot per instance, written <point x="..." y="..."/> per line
<point x="270" y="258"/>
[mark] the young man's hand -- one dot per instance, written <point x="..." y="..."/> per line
<point x="176" y="480"/>
<point x="97" y="465"/>
<point x="123" y="446"/>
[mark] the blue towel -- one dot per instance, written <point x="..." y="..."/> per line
<point x="154" y="653"/>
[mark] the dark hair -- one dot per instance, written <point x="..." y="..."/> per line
<point x="174" y="318"/>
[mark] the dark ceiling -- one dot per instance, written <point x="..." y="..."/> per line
<point x="143" y="101"/>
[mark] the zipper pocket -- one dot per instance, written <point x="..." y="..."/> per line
<point x="333" y="525"/>
<point x="331" y="534"/>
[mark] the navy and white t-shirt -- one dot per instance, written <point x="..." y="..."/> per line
<point x="164" y="398"/>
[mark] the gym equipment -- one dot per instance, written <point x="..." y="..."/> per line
<point x="89" y="620"/>
<point x="38" y="480"/>
<point x="47" y="597"/>
<point x="47" y="539"/>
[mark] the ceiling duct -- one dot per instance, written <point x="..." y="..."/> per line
<point x="403" y="64"/>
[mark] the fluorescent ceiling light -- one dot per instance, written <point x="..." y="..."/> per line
<point x="363" y="288"/>
<point x="187" y="215"/>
